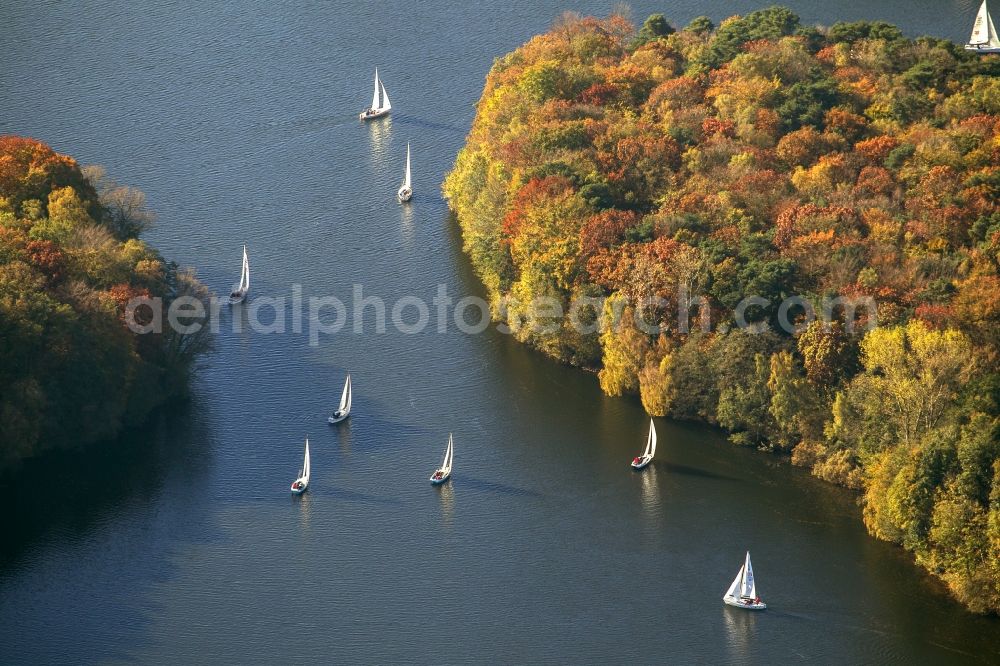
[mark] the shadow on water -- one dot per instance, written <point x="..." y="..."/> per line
<point x="69" y="491"/>
<point x="94" y="504"/>
<point x="785" y="615"/>
<point x="687" y="470"/>
<point x="473" y="483"/>
<point x="366" y="431"/>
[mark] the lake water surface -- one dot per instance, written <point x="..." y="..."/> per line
<point x="182" y="544"/>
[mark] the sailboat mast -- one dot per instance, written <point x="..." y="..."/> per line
<point x="375" y="104"/>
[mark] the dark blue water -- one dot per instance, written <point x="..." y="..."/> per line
<point x="181" y="544"/>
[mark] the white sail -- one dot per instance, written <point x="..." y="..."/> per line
<point x="984" y="33"/>
<point x="651" y="442"/>
<point x="734" y="589"/>
<point x="449" y="454"/>
<point x="406" y="180"/>
<point x="245" y="272"/>
<point x="385" y="98"/>
<point x="375" y="95"/>
<point x="308" y="462"/>
<point x="306" y="465"/>
<point x="980" y="29"/>
<point x="749" y="588"/>
<point x="345" y="398"/>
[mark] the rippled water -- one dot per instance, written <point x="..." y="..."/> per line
<point x="182" y="543"/>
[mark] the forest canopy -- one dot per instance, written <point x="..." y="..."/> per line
<point x="71" y="371"/>
<point x="762" y="157"/>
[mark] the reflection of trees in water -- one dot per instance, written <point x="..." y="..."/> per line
<point x="106" y="521"/>
<point x="168" y="459"/>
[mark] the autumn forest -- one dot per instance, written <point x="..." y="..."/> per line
<point x="671" y="169"/>
<point x="71" y="370"/>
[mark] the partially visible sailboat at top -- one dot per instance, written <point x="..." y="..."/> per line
<point x="344" y="410"/>
<point x="300" y="484"/>
<point x="241" y="290"/>
<point x="378" y="108"/>
<point x="443" y="473"/>
<point x="405" y="192"/>
<point x="647" y="456"/>
<point x="984" y="35"/>
<point x="743" y="592"/>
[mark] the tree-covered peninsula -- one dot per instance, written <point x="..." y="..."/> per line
<point x="71" y="371"/>
<point x="679" y="172"/>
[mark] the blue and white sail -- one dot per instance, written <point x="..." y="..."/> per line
<point x="742" y="593"/>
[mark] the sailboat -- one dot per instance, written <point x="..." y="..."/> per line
<point x="443" y="473"/>
<point x="377" y="109"/>
<point x="300" y="484"/>
<point x="405" y="190"/>
<point x="743" y="592"/>
<point x="647" y="456"/>
<point x="241" y="290"/>
<point x="984" y="35"/>
<point x="344" y="410"/>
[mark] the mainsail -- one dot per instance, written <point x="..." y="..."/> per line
<point x="345" y="398"/>
<point x="983" y="31"/>
<point x="749" y="589"/>
<point x="449" y="454"/>
<point x="305" y="464"/>
<point x="375" y="95"/>
<point x="406" y="180"/>
<point x="245" y="272"/>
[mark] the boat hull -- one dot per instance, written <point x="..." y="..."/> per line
<point x="371" y="115"/>
<point x="642" y="464"/>
<point x="337" y="419"/>
<point x="299" y="491"/>
<point x="438" y="482"/>
<point x="982" y="49"/>
<point x="234" y="300"/>
<point x="745" y="604"/>
<point x="404" y="195"/>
